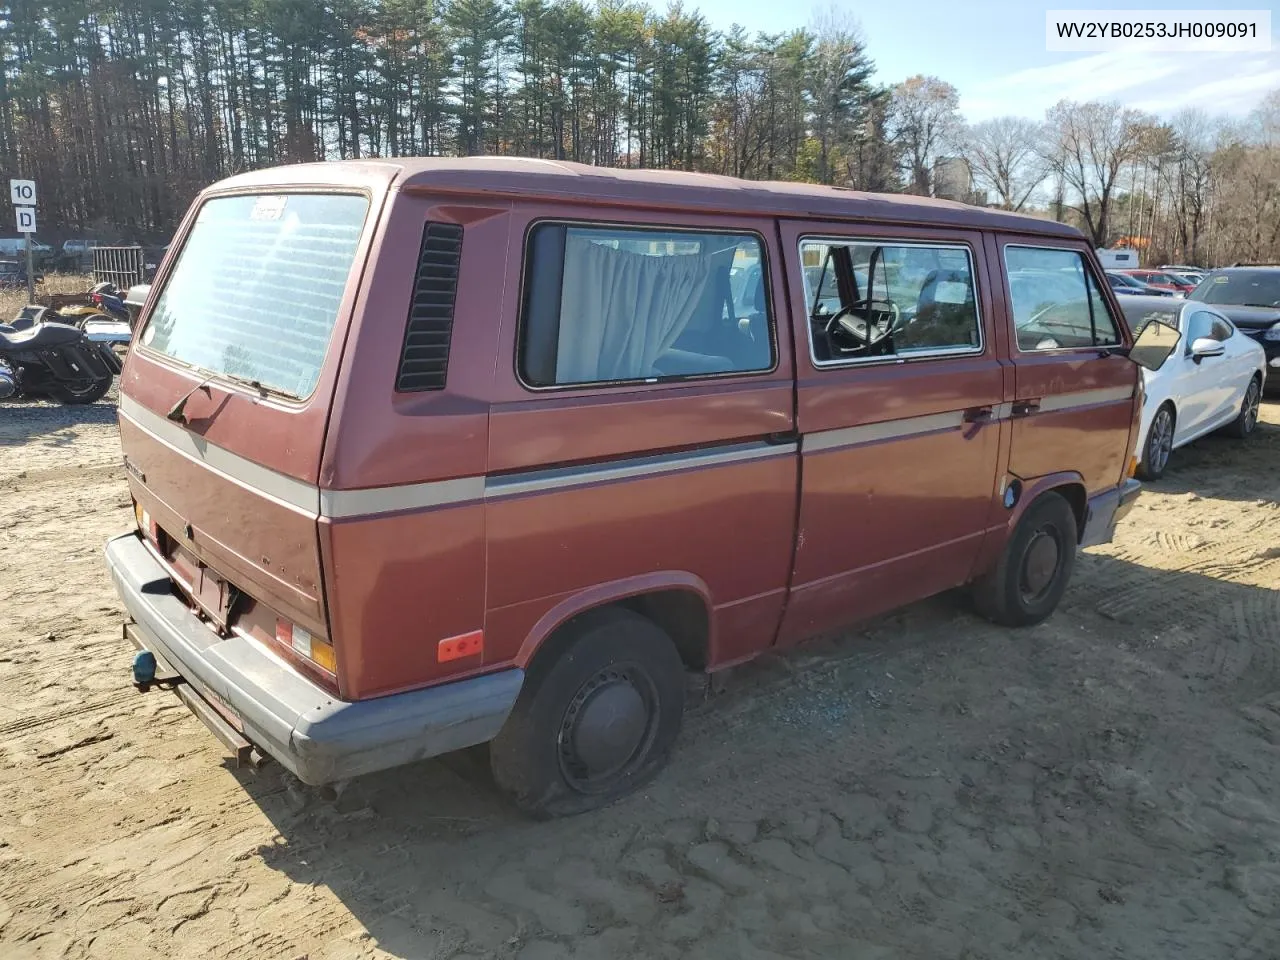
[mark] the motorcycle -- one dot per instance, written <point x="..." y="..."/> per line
<point x="108" y="300"/>
<point x="54" y="359"/>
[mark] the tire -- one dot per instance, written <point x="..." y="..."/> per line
<point x="91" y="393"/>
<point x="1155" y="459"/>
<point x="550" y="756"/>
<point x="1247" y="419"/>
<point x="1033" y="571"/>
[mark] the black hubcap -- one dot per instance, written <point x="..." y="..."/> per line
<point x="607" y="729"/>
<point x="1039" y="564"/>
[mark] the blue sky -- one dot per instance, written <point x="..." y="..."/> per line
<point x="993" y="51"/>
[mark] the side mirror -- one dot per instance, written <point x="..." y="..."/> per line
<point x="1154" y="345"/>
<point x="1206" y="347"/>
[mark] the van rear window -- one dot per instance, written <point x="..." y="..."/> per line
<point x="256" y="289"/>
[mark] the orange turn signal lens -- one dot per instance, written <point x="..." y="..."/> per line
<point x="1133" y="467"/>
<point x="304" y="643"/>
<point x="463" y="645"/>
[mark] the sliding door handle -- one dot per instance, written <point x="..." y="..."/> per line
<point x="978" y="414"/>
<point x="1025" y="408"/>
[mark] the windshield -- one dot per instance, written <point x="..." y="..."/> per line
<point x="255" y="291"/>
<point x="1253" y="287"/>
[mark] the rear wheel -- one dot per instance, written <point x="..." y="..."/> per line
<point x="1033" y="572"/>
<point x="1155" y="455"/>
<point x="1247" y="419"/>
<point x="595" y="721"/>
<point x="81" y="391"/>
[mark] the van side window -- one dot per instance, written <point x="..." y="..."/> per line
<point x="1056" y="301"/>
<point x="610" y="305"/>
<point x="871" y="299"/>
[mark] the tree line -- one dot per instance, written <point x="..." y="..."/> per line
<point x="124" y="109"/>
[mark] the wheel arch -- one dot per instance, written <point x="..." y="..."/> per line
<point x="678" y="602"/>
<point x="1069" y="485"/>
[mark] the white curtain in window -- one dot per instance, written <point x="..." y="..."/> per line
<point x="620" y="311"/>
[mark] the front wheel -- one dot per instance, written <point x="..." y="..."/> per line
<point x="1247" y="419"/>
<point x="81" y="391"/>
<point x="1155" y="455"/>
<point x="1032" y="573"/>
<point x="594" y="721"/>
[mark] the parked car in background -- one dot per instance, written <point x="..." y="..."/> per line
<point x="16" y="247"/>
<point x="1125" y="285"/>
<point x="589" y="430"/>
<point x="1184" y="268"/>
<point x="1250" y="297"/>
<point x="1191" y="276"/>
<point x="76" y="248"/>
<point x="13" y="274"/>
<point x="1162" y="280"/>
<point x="1213" y="379"/>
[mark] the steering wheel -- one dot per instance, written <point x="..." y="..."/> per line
<point x="878" y="323"/>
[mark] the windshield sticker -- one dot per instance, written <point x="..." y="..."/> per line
<point x="951" y="291"/>
<point x="268" y="208"/>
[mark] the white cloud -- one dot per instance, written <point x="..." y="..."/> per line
<point x="1160" y="83"/>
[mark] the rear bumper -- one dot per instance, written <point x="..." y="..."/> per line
<point x="1107" y="509"/>
<point x="318" y="737"/>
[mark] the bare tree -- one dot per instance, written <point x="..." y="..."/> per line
<point x="1248" y="215"/>
<point x="1264" y="122"/>
<point x="1006" y="158"/>
<point x="1088" y="145"/>
<point x="923" y="117"/>
<point x="1194" y="134"/>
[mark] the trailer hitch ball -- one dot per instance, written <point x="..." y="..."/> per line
<point x="144" y="667"/>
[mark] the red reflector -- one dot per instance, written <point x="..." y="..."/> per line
<point x="464" y="645"/>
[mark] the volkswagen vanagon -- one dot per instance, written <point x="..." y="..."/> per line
<point x="432" y="453"/>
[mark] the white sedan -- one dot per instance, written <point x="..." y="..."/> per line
<point x="1213" y="379"/>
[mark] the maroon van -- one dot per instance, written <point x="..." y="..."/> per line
<point x="429" y="453"/>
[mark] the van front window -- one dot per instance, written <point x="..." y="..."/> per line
<point x="255" y="291"/>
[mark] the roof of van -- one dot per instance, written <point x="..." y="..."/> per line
<point x="532" y="177"/>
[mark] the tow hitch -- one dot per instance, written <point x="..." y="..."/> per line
<point x="149" y="671"/>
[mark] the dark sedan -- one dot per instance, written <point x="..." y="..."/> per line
<point x="1250" y="296"/>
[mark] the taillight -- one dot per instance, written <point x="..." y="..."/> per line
<point x="146" y="525"/>
<point x="304" y="643"/>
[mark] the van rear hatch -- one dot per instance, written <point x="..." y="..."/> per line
<point x="225" y="397"/>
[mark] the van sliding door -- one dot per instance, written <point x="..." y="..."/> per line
<point x="900" y="392"/>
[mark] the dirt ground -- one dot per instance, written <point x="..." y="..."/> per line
<point x="1100" y="786"/>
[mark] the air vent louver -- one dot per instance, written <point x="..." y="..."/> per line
<point x="424" y="359"/>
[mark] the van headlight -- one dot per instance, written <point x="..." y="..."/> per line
<point x="1273" y="333"/>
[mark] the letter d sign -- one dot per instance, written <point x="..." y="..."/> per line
<point x="26" y="219"/>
